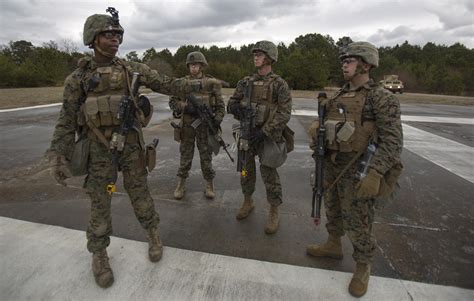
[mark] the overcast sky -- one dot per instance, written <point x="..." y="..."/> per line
<point x="170" y="24"/>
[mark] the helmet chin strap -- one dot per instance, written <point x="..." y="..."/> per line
<point x="100" y="50"/>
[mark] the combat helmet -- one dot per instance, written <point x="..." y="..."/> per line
<point x="365" y="50"/>
<point x="97" y="23"/>
<point x="268" y="48"/>
<point x="196" y="57"/>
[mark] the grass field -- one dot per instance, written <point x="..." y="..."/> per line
<point x="23" y="97"/>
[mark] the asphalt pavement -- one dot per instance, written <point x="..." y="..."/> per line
<point x="426" y="234"/>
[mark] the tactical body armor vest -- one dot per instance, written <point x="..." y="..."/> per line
<point x="261" y="99"/>
<point x="203" y="96"/>
<point x="346" y="128"/>
<point x="102" y="104"/>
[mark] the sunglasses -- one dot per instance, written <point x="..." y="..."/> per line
<point x="109" y="35"/>
<point x="349" y="60"/>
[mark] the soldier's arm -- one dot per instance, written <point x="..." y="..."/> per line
<point x="157" y="82"/>
<point x="386" y="109"/>
<point x="274" y="128"/>
<point x="220" y="105"/>
<point x="238" y="95"/>
<point x="65" y="129"/>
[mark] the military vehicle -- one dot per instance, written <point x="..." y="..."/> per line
<point x="392" y="83"/>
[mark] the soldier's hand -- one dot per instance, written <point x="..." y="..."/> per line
<point x="59" y="169"/>
<point x="257" y="136"/>
<point x="190" y="109"/>
<point x="217" y="122"/>
<point x="212" y="85"/>
<point x="234" y="108"/>
<point x="369" y="186"/>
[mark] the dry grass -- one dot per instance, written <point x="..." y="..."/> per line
<point x="23" y="97"/>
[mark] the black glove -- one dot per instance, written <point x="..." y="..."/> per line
<point x="234" y="108"/>
<point x="190" y="109"/>
<point x="216" y="122"/>
<point x="256" y="136"/>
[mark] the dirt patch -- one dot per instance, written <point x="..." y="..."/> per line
<point x="24" y="97"/>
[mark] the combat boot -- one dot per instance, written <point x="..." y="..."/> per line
<point x="100" y="267"/>
<point x="155" y="247"/>
<point x="210" y="194"/>
<point x="332" y="248"/>
<point x="360" y="280"/>
<point x="180" y="189"/>
<point x="246" y="208"/>
<point x="273" y="220"/>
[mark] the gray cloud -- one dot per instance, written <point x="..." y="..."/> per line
<point x="170" y="24"/>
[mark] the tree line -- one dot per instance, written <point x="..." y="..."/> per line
<point x="310" y="62"/>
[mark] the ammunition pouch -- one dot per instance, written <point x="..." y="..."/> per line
<point x="102" y="110"/>
<point x="150" y="157"/>
<point x="80" y="157"/>
<point x="273" y="154"/>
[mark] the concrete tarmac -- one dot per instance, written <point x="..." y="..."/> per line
<point x="426" y="234"/>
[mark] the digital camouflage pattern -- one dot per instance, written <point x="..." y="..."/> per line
<point x="273" y="129"/>
<point x="267" y="47"/>
<point x="199" y="136"/>
<point x="131" y="161"/>
<point x="365" y="50"/>
<point x="96" y="24"/>
<point x="346" y="213"/>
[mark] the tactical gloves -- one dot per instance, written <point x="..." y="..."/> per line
<point x="217" y="122"/>
<point x="369" y="186"/>
<point x="234" y="108"/>
<point x="59" y="169"/>
<point x="190" y="109"/>
<point x="257" y="136"/>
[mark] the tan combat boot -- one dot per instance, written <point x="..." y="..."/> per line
<point x="332" y="248"/>
<point x="210" y="194"/>
<point x="155" y="247"/>
<point x="273" y="220"/>
<point x="100" y="267"/>
<point x="180" y="189"/>
<point x="360" y="280"/>
<point x="246" y="208"/>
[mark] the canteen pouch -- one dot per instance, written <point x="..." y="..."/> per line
<point x="80" y="157"/>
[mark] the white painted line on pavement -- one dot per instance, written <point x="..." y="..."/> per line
<point x="436" y="119"/>
<point x="51" y="263"/>
<point x="33" y="107"/>
<point x="451" y="155"/>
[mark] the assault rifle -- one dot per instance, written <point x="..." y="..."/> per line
<point x="126" y="114"/>
<point x="318" y="188"/>
<point x="247" y="124"/>
<point x="208" y="117"/>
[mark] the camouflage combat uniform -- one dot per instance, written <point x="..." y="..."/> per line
<point x="346" y="213"/>
<point x="74" y="118"/>
<point x="189" y="134"/>
<point x="273" y="91"/>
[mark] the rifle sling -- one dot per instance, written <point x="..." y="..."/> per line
<point x="339" y="176"/>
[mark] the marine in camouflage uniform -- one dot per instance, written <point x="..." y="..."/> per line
<point x="272" y="102"/>
<point x="192" y="130"/>
<point x="359" y="114"/>
<point x="91" y="112"/>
